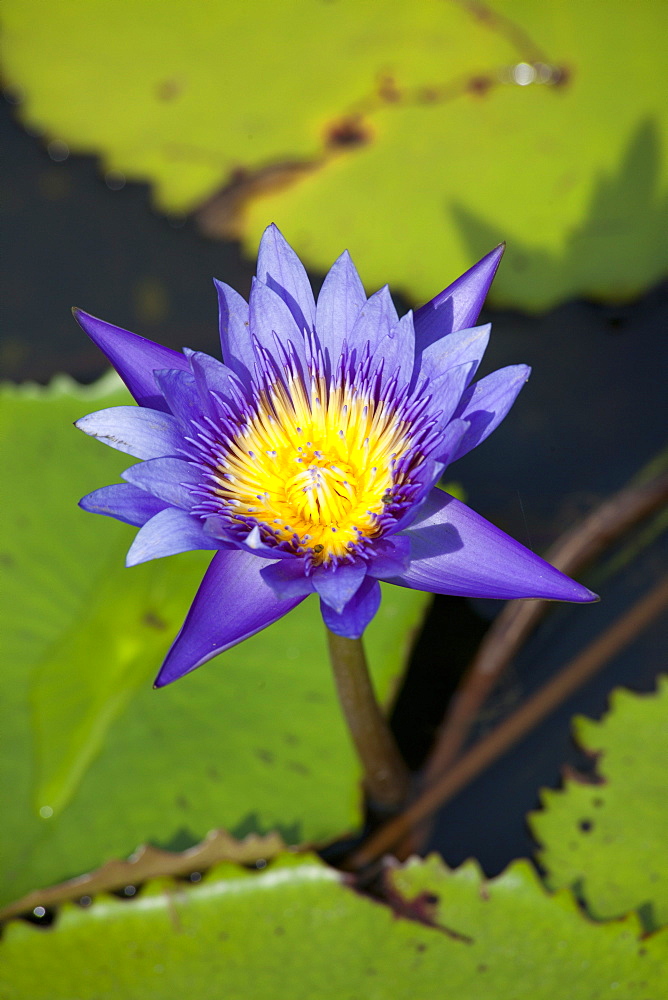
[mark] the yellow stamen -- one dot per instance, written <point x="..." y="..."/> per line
<point x="314" y="463"/>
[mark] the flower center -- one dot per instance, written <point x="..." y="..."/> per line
<point x="321" y="492"/>
<point x="314" y="467"/>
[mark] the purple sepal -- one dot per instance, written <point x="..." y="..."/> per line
<point x="124" y="502"/>
<point x="164" y="478"/>
<point x="357" y="613"/>
<point x="232" y="603"/>
<point x="458" y="306"/>
<point x="339" y="303"/>
<point x="286" y="578"/>
<point x="456" y="551"/>
<point x="337" y="585"/>
<point x="167" y="533"/>
<point x="135" y="358"/>
<point x="279" y="267"/>
<point x="484" y="405"/>
<point x="136" y="430"/>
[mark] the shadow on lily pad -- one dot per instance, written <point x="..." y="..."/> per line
<point x="627" y="209"/>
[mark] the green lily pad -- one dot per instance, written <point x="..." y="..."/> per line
<point x="437" y="130"/>
<point x="297" y="931"/>
<point x="608" y="840"/>
<point x="94" y="761"/>
<point x="520" y="941"/>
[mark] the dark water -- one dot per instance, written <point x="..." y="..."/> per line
<point x="593" y="413"/>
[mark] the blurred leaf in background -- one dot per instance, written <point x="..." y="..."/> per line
<point x="417" y="135"/>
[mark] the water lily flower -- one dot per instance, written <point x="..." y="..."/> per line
<point x="308" y="459"/>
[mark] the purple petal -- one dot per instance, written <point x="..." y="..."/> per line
<point x="235" y="339"/>
<point x="458" y="306"/>
<point x="164" y="478"/>
<point x="456" y="551"/>
<point x="279" y="267"/>
<point x="271" y="320"/>
<point x="181" y="395"/>
<point x="339" y="303"/>
<point x="397" y="351"/>
<point x="446" y="392"/>
<point x="338" y="584"/>
<point x="485" y="404"/>
<point x="124" y="502"/>
<point x="220" y="529"/>
<point x="375" y="320"/>
<point x="458" y="348"/>
<point x="391" y="556"/>
<point x="357" y="613"/>
<point x="232" y="603"/>
<point x="134" y="358"/>
<point x="135" y="430"/>
<point x="448" y="443"/>
<point x="168" y="533"/>
<point x="286" y="578"/>
<point x="212" y="376"/>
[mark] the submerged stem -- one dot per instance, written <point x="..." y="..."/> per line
<point x="385" y="774"/>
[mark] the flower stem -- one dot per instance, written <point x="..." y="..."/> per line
<point x="386" y="776"/>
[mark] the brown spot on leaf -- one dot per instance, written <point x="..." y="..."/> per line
<point x="151" y="620"/>
<point x="347" y="133"/>
<point x="561" y="76"/>
<point x="480" y="85"/>
<point x="388" y="90"/>
<point x="169" y="90"/>
<point x="315" y="696"/>
<point x="298" y="767"/>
